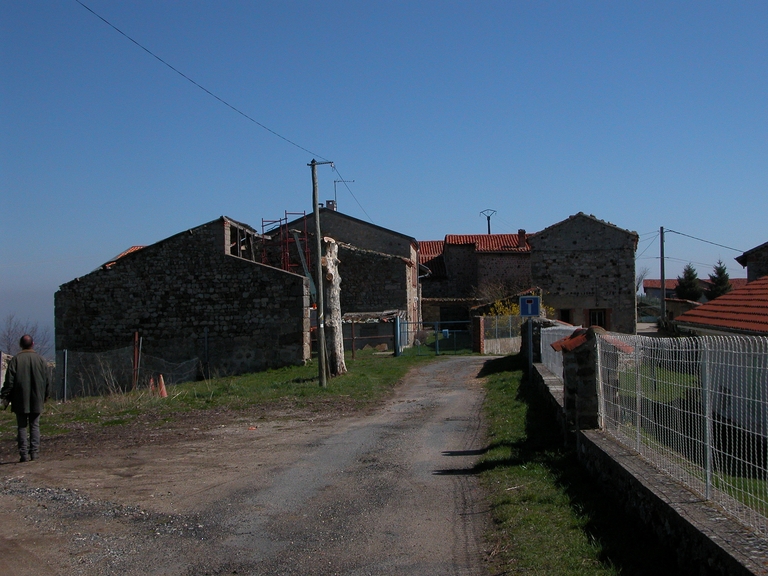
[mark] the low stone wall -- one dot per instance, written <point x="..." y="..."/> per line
<point x="707" y="542"/>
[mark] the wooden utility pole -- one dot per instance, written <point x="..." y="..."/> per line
<point x="663" y="279"/>
<point x="321" y="350"/>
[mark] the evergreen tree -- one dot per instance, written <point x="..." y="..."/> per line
<point x="720" y="282"/>
<point x="688" y="284"/>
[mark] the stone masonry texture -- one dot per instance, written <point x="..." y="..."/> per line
<point x="186" y="296"/>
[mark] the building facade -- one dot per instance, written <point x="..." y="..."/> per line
<point x="198" y="294"/>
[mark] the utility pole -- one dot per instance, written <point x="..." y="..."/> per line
<point x="319" y="271"/>
<point x="663" y="278"/>
<point x="336" y="200"/>
<point x="488" y="213"/>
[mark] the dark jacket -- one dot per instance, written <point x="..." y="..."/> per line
<point x="27" y="382"/>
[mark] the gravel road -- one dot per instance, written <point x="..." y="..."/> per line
<point x="386" y="493"/>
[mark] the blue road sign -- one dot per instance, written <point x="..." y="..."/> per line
<point x="530" y="306"/>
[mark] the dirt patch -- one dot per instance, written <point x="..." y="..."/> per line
<point x="283" y="491"/>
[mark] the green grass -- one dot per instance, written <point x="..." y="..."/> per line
<point x="370" y="378"/>
<point x="549" y="518"/>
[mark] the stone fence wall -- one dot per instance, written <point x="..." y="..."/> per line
<point x="707" y="542"/>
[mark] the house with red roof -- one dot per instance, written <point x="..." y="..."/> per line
<point x="465" y="270"/>
<point x="584" y="266"/>
<point x="740" y="311"/>
<point x="652" y="287"/>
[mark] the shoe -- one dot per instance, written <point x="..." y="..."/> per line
<point x="24" y="458"/>
<point x="34" y="456"/>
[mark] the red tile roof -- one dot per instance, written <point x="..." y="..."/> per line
<point x="430" y="248"/>
<point x="124" y="253"/>
<point x="490" y="242"/>
<point x="743" y="310"/>
<point x="671" y="284"/>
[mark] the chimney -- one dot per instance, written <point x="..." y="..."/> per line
<point x="331" y="205"/>
<point x="521" y="237"/>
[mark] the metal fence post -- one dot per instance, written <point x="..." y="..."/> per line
<point x="397" y="335"/>
<point x="65" y="375"/>
<point x="705" y="400"/>
<point x="437" y="338"/>
<point x="638" y="400"/>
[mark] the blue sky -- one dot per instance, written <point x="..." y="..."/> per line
<point x="643" y="114"/>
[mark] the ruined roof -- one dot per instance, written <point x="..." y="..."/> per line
<point x="743" y="310"/>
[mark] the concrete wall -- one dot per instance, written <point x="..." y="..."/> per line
<point x="171" y="292"/>
<point x="585" y="264"/>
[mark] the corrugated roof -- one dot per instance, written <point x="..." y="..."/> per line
<point x="744" y="309"/>
<point x="490" y="242"/>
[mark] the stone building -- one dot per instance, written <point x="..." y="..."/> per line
<point x="586" y="270"/>
<point x="755" y="261"/>
<point x="378" y="266"/>
<point x="466" y="270"/>
<point x="584" y="266"/>
<point x="200" y="293"/>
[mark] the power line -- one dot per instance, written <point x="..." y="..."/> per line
<point x="333" y="167"/>
<point x="650" y="243"/>
<point x="203" y="88"/>
<point x="705" y="241"/>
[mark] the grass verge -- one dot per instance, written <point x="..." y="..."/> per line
<point x="549" y="517"/>
<point x="369" y="379"/>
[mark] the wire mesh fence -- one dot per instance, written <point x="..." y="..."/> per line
<point x="115" y="371"/>
<point x="550" y="358"/>
<point x="449" y="337"/>
<point x="501" y="334"/>
<point x="695" y="408"/>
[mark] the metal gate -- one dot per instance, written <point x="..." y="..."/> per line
<point x="422" y="338"/>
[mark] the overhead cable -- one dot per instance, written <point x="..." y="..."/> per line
<point x="203" y="88"/>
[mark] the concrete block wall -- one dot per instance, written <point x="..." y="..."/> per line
<point x="185" y="295"/>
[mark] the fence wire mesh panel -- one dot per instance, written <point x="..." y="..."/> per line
<point x="454" y="337"/>
<point x="696" y="408"/>
<point x="501" y="334"/>
<point x="101" y="373"/>
<point x="551" y="359"/>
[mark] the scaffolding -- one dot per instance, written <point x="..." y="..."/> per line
<point x="279" y="239"/>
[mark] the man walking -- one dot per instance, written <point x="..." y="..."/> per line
<point x="26" y="388"/>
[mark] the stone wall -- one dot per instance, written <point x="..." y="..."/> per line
<point x="375" y="282"/>
<point x="707" y="542"/>
<point x="187" y="297"/>
<point x="583" y="264"/>
<point x="348" y="230"/>
<point x="511" y="270"/>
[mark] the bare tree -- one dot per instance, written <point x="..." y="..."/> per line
<point x="642" y="274"/>
<point x="12" y="329"/>
<point x="333" y="324"/>
<point x="494" y="291"/>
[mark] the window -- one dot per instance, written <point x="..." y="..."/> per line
<point x="598" y="317"/>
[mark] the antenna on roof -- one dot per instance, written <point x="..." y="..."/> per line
<point x="488" y="213"/>
<point x="335" y="200"/>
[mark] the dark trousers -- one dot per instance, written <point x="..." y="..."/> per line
<point x="28" y="444"/>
